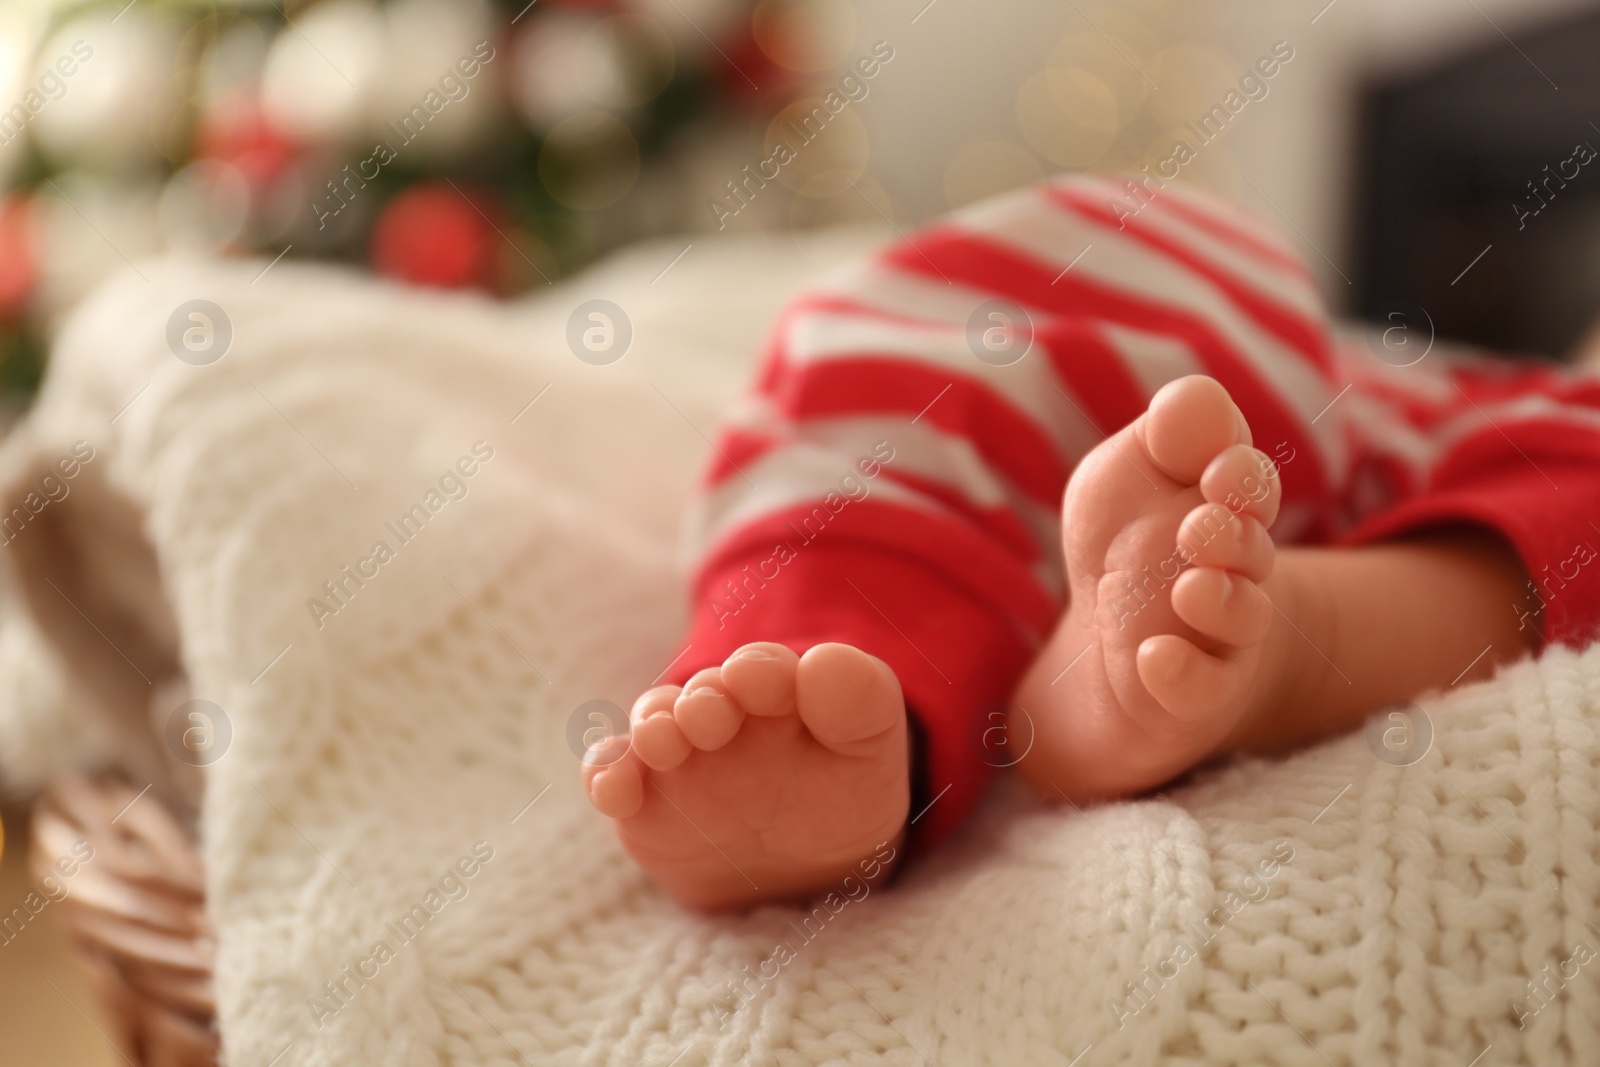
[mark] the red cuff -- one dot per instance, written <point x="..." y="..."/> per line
<point x="1540" y="496"/>
<point x="954" y="651"/>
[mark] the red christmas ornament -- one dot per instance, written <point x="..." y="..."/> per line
<point x="432" y="235"/>
<point x="239" y="132"/>
<point x="19" y="260"/>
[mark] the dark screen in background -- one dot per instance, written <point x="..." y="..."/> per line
<point x="1446" y="159"/>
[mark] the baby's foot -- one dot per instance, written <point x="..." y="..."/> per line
<point x="1168" y="556"/>
<point x="768" y="778"/>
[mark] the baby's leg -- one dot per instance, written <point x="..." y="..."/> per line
<point x="1188" y="633"/>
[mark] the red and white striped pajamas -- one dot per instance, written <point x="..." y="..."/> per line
<point x="884" y="487"/>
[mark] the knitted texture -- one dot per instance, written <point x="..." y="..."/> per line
<point x="1331" y="908"/>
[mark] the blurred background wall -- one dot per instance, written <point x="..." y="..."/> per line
<point x="985" y="96"/>
<point x="498" y="144"/>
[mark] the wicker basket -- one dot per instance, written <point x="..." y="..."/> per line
<point x="136" y="915"/>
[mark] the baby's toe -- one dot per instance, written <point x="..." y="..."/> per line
<point x="1186" y="681"/>
<point x="1189" y="421"/>
<point x="1245" y="481"/>
<point x="615" y="786"/>
<point x="657" y="738"/>
<point x="1213" y="536"/>
<point x="1228" y="608"/>
<point x="849" y="700"/>
<point x="761" y="677"/>
<point x="705" y="713"/>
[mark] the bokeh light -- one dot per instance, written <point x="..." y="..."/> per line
<point x="111" y="112"/>
<point x="830" y="149"/>
<point x="204" y="206"/>
<point x="232" y="65"/>
<point x="1191" y="78"/>
<point x="1110" y="62"/>
<point x="1062" y="118"/>
<point x="316" y="79"/>
<point x="644" y="53"/>
<point x="808" y="36"/>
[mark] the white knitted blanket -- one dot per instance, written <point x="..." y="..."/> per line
<point x="402" y="867"/>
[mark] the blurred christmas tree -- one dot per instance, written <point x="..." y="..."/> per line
<point x="442" y="142"/>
